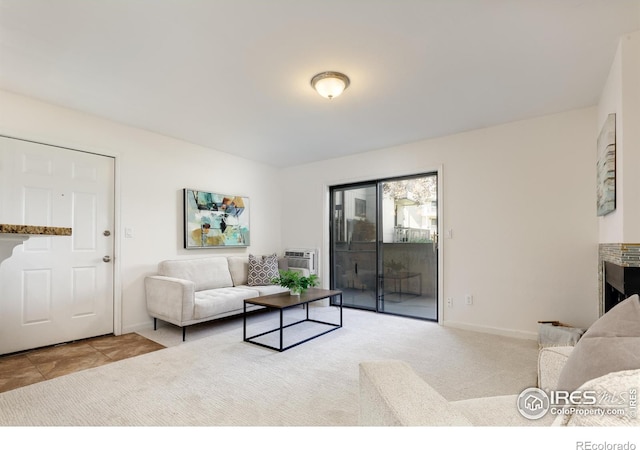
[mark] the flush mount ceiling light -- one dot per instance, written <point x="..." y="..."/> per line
<point x="330" y="84"/>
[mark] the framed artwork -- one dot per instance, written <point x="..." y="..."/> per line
<point x="606" y="194"/>
<point x="215" y="220"/>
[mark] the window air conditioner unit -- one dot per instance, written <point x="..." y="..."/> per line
<point x="302" y="259"/>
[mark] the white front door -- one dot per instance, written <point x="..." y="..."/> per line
<point x="57" y="288"/>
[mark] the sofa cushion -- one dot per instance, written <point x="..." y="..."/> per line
<point x="267" y="290"/>
<point x="262" y="269"/>
<point x="611" y="344"/>
<point x="212" y="302"/>
<point x="206" y="273"/>
<point x="239" y="268"/>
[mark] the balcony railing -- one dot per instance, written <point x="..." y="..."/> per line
<point x="403" y="234"/>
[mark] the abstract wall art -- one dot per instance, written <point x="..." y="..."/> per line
<point x="215" y="220"/>
<point x="606" y="195"/>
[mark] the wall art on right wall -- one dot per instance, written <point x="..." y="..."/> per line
<point x="607" y="166"/>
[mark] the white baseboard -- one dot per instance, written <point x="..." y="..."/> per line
<point x="492" y="330"/>
<point x="519" y="334"/>
<point x="138" y="327"/>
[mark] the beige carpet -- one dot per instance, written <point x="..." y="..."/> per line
<point x="217" y="379"/>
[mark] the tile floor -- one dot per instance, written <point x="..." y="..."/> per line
<point x="22" y="369"/>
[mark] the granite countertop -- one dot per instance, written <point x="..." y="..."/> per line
<point x="35" y="230"/>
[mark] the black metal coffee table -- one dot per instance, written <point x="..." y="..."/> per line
<point x="284" y="301"/>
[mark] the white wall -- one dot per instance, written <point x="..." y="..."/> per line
<point x="520" y="199"/>
<point x="152" y="170"/>
<point x="621" y="95"/>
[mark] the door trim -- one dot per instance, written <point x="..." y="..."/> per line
<point x="117" y="281"/>
<point x="440" y="245"/>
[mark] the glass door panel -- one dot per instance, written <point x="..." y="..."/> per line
<point x="353" y="244"/>
<point x="408" y="247"/>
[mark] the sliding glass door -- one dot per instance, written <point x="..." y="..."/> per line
<point x="384" y="245"/>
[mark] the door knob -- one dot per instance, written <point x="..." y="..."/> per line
<point x="106" y="259"/>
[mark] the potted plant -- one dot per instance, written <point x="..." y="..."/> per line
<point x="295" y="281"/>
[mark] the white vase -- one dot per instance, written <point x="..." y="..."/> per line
<point x="294" y="291"/>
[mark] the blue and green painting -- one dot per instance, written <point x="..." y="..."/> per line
<point x="215" y="220"/>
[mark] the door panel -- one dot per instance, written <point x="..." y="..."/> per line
<point x="36" y="295"/>
<point x="408" y="249"/>
<point x="57" y="288"/>
<point x="354" y="245"/>
<point x="85" y="222"/>
<point x="83" y="287"/>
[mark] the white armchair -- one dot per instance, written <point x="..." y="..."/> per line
<point x="393" y="394"/>
<point x="605" y="359"/>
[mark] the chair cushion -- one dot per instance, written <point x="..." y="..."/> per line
<point x="262" y="269"/>
<point x="498" y="411"/>
<point x="613" y="406"/>
<point x="611" y="344"/>
<point x="551" y="361"/>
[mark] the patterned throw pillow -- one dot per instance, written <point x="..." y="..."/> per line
<point x="262" y="269"/>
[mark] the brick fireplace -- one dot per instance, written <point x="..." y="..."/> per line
<point x="618" y="273"/>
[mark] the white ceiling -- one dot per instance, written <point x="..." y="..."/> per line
<point x="234" y="75"/>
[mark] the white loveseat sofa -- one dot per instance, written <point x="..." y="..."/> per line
<point x="605" y="360"/>
<point x="190" y="291"/>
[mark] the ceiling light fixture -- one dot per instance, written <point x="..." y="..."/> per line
<point x="330" y="84"/>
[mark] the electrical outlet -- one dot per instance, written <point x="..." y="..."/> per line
<point x="450" y="302"/>
<point x="469" y="299"/>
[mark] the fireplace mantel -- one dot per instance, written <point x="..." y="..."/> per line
<point x="619" y="273"/>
